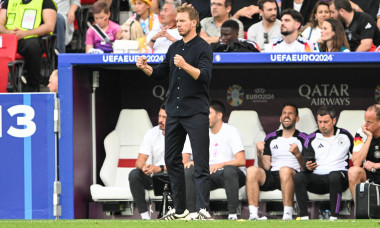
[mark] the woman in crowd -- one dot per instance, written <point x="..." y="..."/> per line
<point x="148" y="20"/>
<point x="312" y="30"/>
<point x="131" y="30"/>
<point x="95" y="43"/>
<point x="333" y="37"/>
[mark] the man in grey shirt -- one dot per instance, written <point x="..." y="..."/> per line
<point x="65" y="22"/>
<point x="270" y="27"/>
<point x="220" y="11"/>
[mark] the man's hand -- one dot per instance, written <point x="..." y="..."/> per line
<point x="311" y="165"/>
<point x="142" y="62"/>
<point x="70" y="17"/>
<point x="260" y="148"/>
<point x="368" y="165"/>
<point x="21" y="34"/>
<point x="189" y="164"/>
<point x="294" y="149"/>
<point x="247" y="11"/>
<point x="149" y="169"/>
<point x="366" y="132"/>
<point x="187" y="4"/>
<point x="216" y="167"/>
<point x="179" y="61"/>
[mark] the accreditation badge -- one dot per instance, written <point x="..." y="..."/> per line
<point x="28" y="19"/>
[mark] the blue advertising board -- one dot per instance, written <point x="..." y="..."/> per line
<point x="27" y="156"/>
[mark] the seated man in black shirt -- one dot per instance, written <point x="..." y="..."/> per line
<point x="361" y="30"/>
<point x="229" y="41"/>
<point x="366" y="156"/>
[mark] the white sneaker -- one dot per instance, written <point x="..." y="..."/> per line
<point x="258" y="218"/>
<point x="171" y="215"/>
<point x="332" y="218"/>
<point x="204" y="215"/>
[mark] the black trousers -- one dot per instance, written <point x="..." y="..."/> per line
<point x="197" y="127"/>
<point x="138" y="182"/>
<point x="334" y="183"/>
<point x="31" y="49"/>
<point x="231" y="178"/>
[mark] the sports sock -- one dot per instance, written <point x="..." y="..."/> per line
<point x="253" y="211"/>
<point x="145" y="215"/>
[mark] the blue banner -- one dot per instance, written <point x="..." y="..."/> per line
<point x="26" y="156"/>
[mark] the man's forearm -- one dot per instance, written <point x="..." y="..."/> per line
<point x="194" y="72"/>
<point x="148" y="70"/>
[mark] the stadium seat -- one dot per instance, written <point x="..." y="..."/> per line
<point x="251" y="130"/>
<point x="121" y="147"/>
<point x="351" y="120"/>
<point x="10" y="68"/>
<point x="306" y="123"/>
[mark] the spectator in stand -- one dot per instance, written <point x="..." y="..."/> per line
<point x="131" y="30"/>
<point x="229" y="41"/>
<point x="366" y="155"/>
<point x="312" y="30"/>
<point x="210" y="26"/>
<point x="149" y="21"/>
<point x="30" y="45"/>
<point x="157" y="5"/>
<point x="168" y="33"/>
<point x="202" y="6"/>
<point x="305" y="7"/>
<point x="291" y="22"/>
<point x="361" y="30"/>
<point x="94" y="41"/>
<point x="371" y="7"/>
<point x="246" y="11"/>
<point x="333" y="38"/>
<point x="65" y="22"/>
<point x="269" y="28"/>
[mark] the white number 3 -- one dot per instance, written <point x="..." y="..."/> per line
<point x="26" y="121"/>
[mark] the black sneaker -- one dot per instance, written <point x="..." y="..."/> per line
<point x="171" y="215"/>
<point x="204" y="215"/>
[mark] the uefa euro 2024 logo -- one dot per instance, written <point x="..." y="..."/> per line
<point x="235" y="95"/>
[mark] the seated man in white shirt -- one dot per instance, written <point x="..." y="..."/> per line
<point x="160" y="40"/>
<point x="279" y="159"/>
<point x="227" y="162"/>
<point x="327" y="157"/>
<point x="291" y="41"/>
<point x="153" y="145"/>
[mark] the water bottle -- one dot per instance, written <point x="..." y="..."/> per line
<point x="327" y="214"/>
<point x="320" y="215"/>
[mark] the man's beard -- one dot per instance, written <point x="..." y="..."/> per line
<point x="286" y="33"/>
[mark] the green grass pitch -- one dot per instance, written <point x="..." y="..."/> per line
<point x="186" y="224"/>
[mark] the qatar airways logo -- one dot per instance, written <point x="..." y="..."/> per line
<point x="326" y="94"/>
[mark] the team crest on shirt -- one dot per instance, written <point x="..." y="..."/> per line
<point x="340" y="141"/>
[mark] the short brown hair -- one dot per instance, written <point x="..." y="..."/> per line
<point x="193" y="14"/>
<point x="100" y="6"/>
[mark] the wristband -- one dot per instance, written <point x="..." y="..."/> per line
<point x="153" y="40"/>
<point x="162" y="168"/>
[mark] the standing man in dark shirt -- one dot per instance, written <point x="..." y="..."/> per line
<point x="188" y="64"/>
<point x="361" y="30"/>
